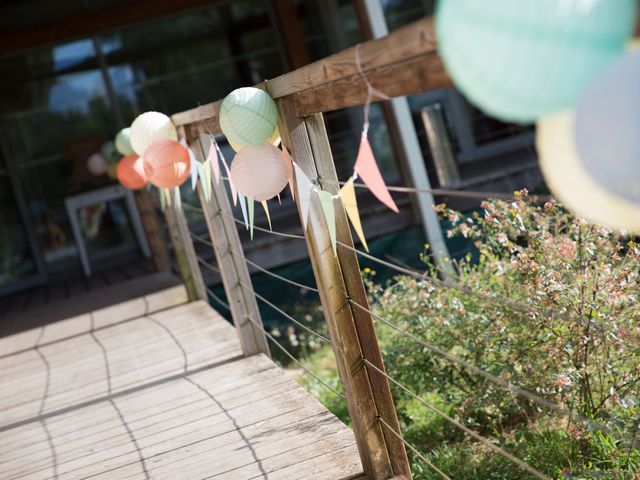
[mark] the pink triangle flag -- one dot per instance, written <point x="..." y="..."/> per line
<point x="215" y="163"/>
<point x="367" y="169"/>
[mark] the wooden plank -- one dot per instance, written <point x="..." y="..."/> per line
<point x="403" y="62"/>
<point x="339" y="280"/>
<point x="95" y="21"/>
<point x="235" y="420"/>
<point x="185" y="254"/>
<point x="230" y="260"/>
<point x="153" y="231"/>
<point x="76" y="368"/>
<point x="80" y="324"/>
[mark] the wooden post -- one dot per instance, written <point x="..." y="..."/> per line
<point x="153" y="231"/>
<point x="351" y="329"/>
<point x="223" y="233"/>
<point x="185" y="253"/>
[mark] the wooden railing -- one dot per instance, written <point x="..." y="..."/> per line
<point x="402" y="63"/>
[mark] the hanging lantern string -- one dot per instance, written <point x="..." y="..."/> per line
<point x="214" y="141"/>
<point x="371" y="91"/>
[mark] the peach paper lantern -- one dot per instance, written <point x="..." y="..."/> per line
<point x="130" y="172"/>
<point x="166" y="164"/>
<point x="260" y="172"/>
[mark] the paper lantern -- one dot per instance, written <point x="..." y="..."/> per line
<point x="123" y="145"/>
<point x="148" y="128"/>
<point x="248" y="116"/>
<point x="96" y="164"/>
<point x="109" y="152"/>
<point x="260" y="172"/>
<point x="520" y="60"/>
<point x="130" y="172"/>
<point x="572" y="184"/>
<point x="274" y="140"/>
<point x="166" y="164"/>
<point x="607" y="127"/>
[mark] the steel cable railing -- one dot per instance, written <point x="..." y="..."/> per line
<point x="485" y="441"/>
<point x="423" y="276"/>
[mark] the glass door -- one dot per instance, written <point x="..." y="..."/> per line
<point x="21" y="265"/>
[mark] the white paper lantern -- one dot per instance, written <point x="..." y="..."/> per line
<point x="123" y="144"/>
<point x="260" y="172"/>
<point x="607" y="127"/>
<point x="572" y="184"/>
<point x="248" y="116"/>
<point x="150" y="127"/>
<point x="96" y="164"/>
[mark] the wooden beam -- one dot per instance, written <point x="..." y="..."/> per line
<point x="404" y="62"/>
<point x="96" y="21"/>
<point x="229" y="254"/>
<point x="339" y="280"/>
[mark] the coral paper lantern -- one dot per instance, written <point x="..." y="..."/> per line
<point x="248" y="116"/>
<point x="260" y="172"/>
<point x="148" y="128"/>
<point x="122" y="142"/>
<point x="130" y="172"/>
<point x="520" y="60"/>
<point x="96" y="164"/>
<point x="166" y="164"/>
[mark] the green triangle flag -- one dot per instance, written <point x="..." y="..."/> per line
<point x="326" y="200"/>
<point x="163" y="199"/>
<point x="251" y="206"/>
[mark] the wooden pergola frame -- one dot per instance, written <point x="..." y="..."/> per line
<point x="402" y="63"/>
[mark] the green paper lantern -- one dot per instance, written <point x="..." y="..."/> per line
<point x="519" y="60"/>
<point x="248" y="116"/>
<point x="123" y="145"/>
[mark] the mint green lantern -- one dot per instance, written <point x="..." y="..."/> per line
<point x="123" y="145"/>
<point x="248" y="116"/>
<point x="519" y="60"/>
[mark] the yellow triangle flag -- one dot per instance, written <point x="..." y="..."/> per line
<point x="348" y="196"/>
<point x="266" y="210"/>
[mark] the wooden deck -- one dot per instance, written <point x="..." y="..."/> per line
<point x="156" y="387"/>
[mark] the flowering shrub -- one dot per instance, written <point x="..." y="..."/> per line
<point x="549" y="303"/>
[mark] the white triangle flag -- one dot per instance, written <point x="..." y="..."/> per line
<point x="326" y="200"/>
<point x="243" y="207"/>
<point x="305" y="187"/>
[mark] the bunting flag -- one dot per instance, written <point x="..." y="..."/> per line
<point x="348" y="197"/>
<point x="366" y="168"/>
<point x="243" y="207"/>
<point x="291" y="187"/>
<point x="215" y="161"/>
<point x="234" y="192"/>
<point x="326" y="200"/>
<point x="192" y="163"/>
<point x="163" y="199"/>
<point x="251" y="215"/>
<point x="266" y="210"/>
<point x="207" y="174"/>
<point x="206" y="186"/>
<point x="305" y="187"/>
<point x="177" y="200"/>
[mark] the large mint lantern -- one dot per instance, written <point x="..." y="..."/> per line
<point x="248" y="116"/>
<point x="519" y="60"/>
